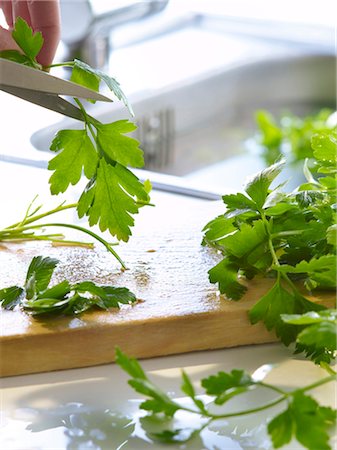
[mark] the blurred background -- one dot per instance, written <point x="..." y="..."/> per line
<point x="219" y="88"/>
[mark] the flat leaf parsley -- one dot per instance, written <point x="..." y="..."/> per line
<point x="289" y="237"/>
<point x="102" y="152"/>
<point x="36" y="297"/>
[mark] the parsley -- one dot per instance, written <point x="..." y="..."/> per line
<point x="318" y="333"/>
<point x="36" y="297"/>
<point x="303" y="418"/>
<point x="290" y="237"/>
<point x="290" y="136"/>
<point x="101" y="152"/>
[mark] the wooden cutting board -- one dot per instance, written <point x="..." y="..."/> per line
<point x="178" y="309"/>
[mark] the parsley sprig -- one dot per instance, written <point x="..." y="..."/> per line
<point x="303" y="418"/>
<point x="102" y="152"/>
<point x="37" y="297"/>
<point x="30" y="228"/>
<point x="290" y="237"/>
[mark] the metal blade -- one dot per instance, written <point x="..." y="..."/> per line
<point x="18" y="75"/>
<point x="49" y="101"/>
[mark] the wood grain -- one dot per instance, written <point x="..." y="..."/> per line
<point x="178" y="309"/>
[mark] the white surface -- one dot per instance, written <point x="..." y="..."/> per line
<point x="94" y="408"/>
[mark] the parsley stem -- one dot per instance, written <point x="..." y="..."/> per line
<point x="41" y="216"/>
<point x="249" y="411"/>
<point x="318" y="383"/>
<point x="270" y="239"/>
<point x="328" y="368"/>
<point x="84" y="230"/>
<point x="63" y="64"/>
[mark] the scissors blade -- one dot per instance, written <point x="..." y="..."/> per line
<point x="18" y="75"/>
<point x="49" y="101"/>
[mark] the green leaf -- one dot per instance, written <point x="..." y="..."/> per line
<point x="216" y="229"/>
<point x="11" y="297"/>
<point x="129" y="365"/>
<point x="311" y="422"/>
<point x="159" y="403"/>
<point x="325" y="146"/>
<point x="249" y="242"/>
<point x="39" y="274"/>
<point x="238" y="204"/>
<point x="257" y="187"/>
<point x="117" y="147"/>
<point x="16" y="56"/>
<point x="226" y="385"/>
<point x="305" y="420"/>
<point x="271" y="133"/>
<point x="331" y="235"/>
<point x="111" y="200"/>
<point x="77" y="153"/>
<point x="280" y="429"/>
<point x="322" y="335"/>
<point x="59" y="291"/>
<point x="308" y="198"/>
<point x="322" y="270"/>
<point x="84" y="77"/>
<point x="86" y="74"/>
<point x="44" y="305"/>
<point x="114" y="296"/>
<point x="31" y="43"/>
<point x="329" y="315"/>
<point x="178" y="436"/>
<point x="269" y="308"/>
<point x="225" y="274"/>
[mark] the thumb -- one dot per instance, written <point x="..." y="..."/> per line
<point x="6" y="40"/>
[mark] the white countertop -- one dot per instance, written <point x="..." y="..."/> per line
<point x="94" y="408"/>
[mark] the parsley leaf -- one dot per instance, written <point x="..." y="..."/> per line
<point x="225" y="274"/>
<point x="257" y="187"/>
<point x="118" y="147"/>
<point x="224" y="385"/>
<point x="11" y="297"/>
<point x="321" y="271"/>
<point x="111" y="199"/>
<point x="87" y="76"/>
<point x="31" y="43"/>
<point x="16" y="56"/>
<point x="63" y="298"/>
<point x="39" y="274"/>
<point x="77" y="153"/>
<point x="159" y="402"/>
<point x="325" y="145"/>
<point x="304" y="419"/>
<point x="318" y="339"/>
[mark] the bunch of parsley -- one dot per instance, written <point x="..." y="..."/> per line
<point x="290" y="136"/>
<point x="102" y="152"/>
<point x="265" y="232"/>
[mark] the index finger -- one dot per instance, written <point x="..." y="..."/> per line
<point x="45" y="17"/>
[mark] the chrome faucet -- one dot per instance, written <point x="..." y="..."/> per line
<point x="87" y="35"/>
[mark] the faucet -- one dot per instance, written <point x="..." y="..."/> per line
<point x="87" y="35"/>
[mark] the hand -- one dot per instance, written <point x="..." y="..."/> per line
<point x="41" y="15"/>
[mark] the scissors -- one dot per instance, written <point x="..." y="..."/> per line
<point x="44" y="89"/>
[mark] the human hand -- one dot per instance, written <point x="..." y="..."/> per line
<point x="41" y="15"/>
